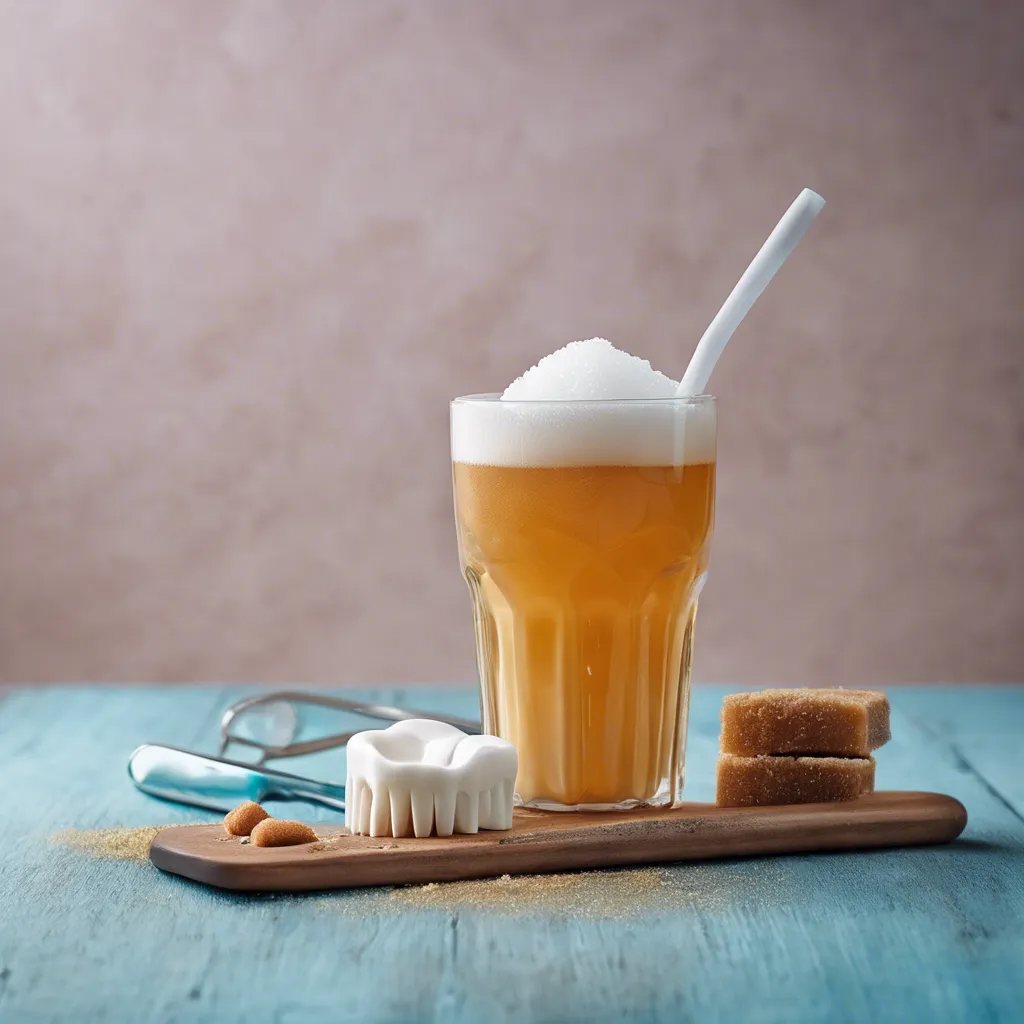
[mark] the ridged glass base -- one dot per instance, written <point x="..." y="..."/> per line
<point x="663" y="798"/>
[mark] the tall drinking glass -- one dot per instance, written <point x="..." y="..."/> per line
<point x="584" y="535"/>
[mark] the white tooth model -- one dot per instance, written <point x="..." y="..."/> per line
<point x="421" y="776"/>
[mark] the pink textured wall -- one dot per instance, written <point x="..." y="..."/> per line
<point x="248" y="251"/>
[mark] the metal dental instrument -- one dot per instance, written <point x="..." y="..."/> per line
<point x="219" y="784"/>
<point x="285" y="703"/>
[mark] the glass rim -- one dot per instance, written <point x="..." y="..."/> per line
<point x="495" y="396"/>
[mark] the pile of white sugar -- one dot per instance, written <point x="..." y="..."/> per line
<point x="590" y="370"/>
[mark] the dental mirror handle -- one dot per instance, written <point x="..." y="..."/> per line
<point x="217" y="784"/>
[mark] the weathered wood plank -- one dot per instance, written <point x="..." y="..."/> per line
<point x="910" y="934"/>
<point x="982" y="734"/>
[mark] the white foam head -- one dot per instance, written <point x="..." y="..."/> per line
<point x="588" y="404"/>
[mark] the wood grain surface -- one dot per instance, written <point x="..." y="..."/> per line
<point x="91" y="931"/>
<point x="544" y="842"/>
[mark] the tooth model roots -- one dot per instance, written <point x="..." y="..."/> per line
<point x="422" y="777"/>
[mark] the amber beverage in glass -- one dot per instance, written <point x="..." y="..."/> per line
<point x="584" y="535"/>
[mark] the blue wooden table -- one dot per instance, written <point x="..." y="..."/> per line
<point x="89" y="930"/>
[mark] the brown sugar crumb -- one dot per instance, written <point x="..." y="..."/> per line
<point x="275" y="832"/>
<point x="244" y="818"/>
<point x="838" y="723"/>
<point x="330" y="841"/>
<point x="760" y="781"/>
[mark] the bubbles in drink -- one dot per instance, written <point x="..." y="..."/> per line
<point x="589" y="371"/>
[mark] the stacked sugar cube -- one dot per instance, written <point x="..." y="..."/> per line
<point x="799" y="746"/>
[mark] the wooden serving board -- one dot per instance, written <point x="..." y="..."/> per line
<point x="542" y="842"/>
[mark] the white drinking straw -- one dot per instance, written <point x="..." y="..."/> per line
<point x="781" y="242"/>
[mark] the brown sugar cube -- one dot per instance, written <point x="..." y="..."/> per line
<point x="244" y="818"/>
<point x="278" y="832"/>
<point x="759" y="781"/>
<point x="842" y="723"/>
